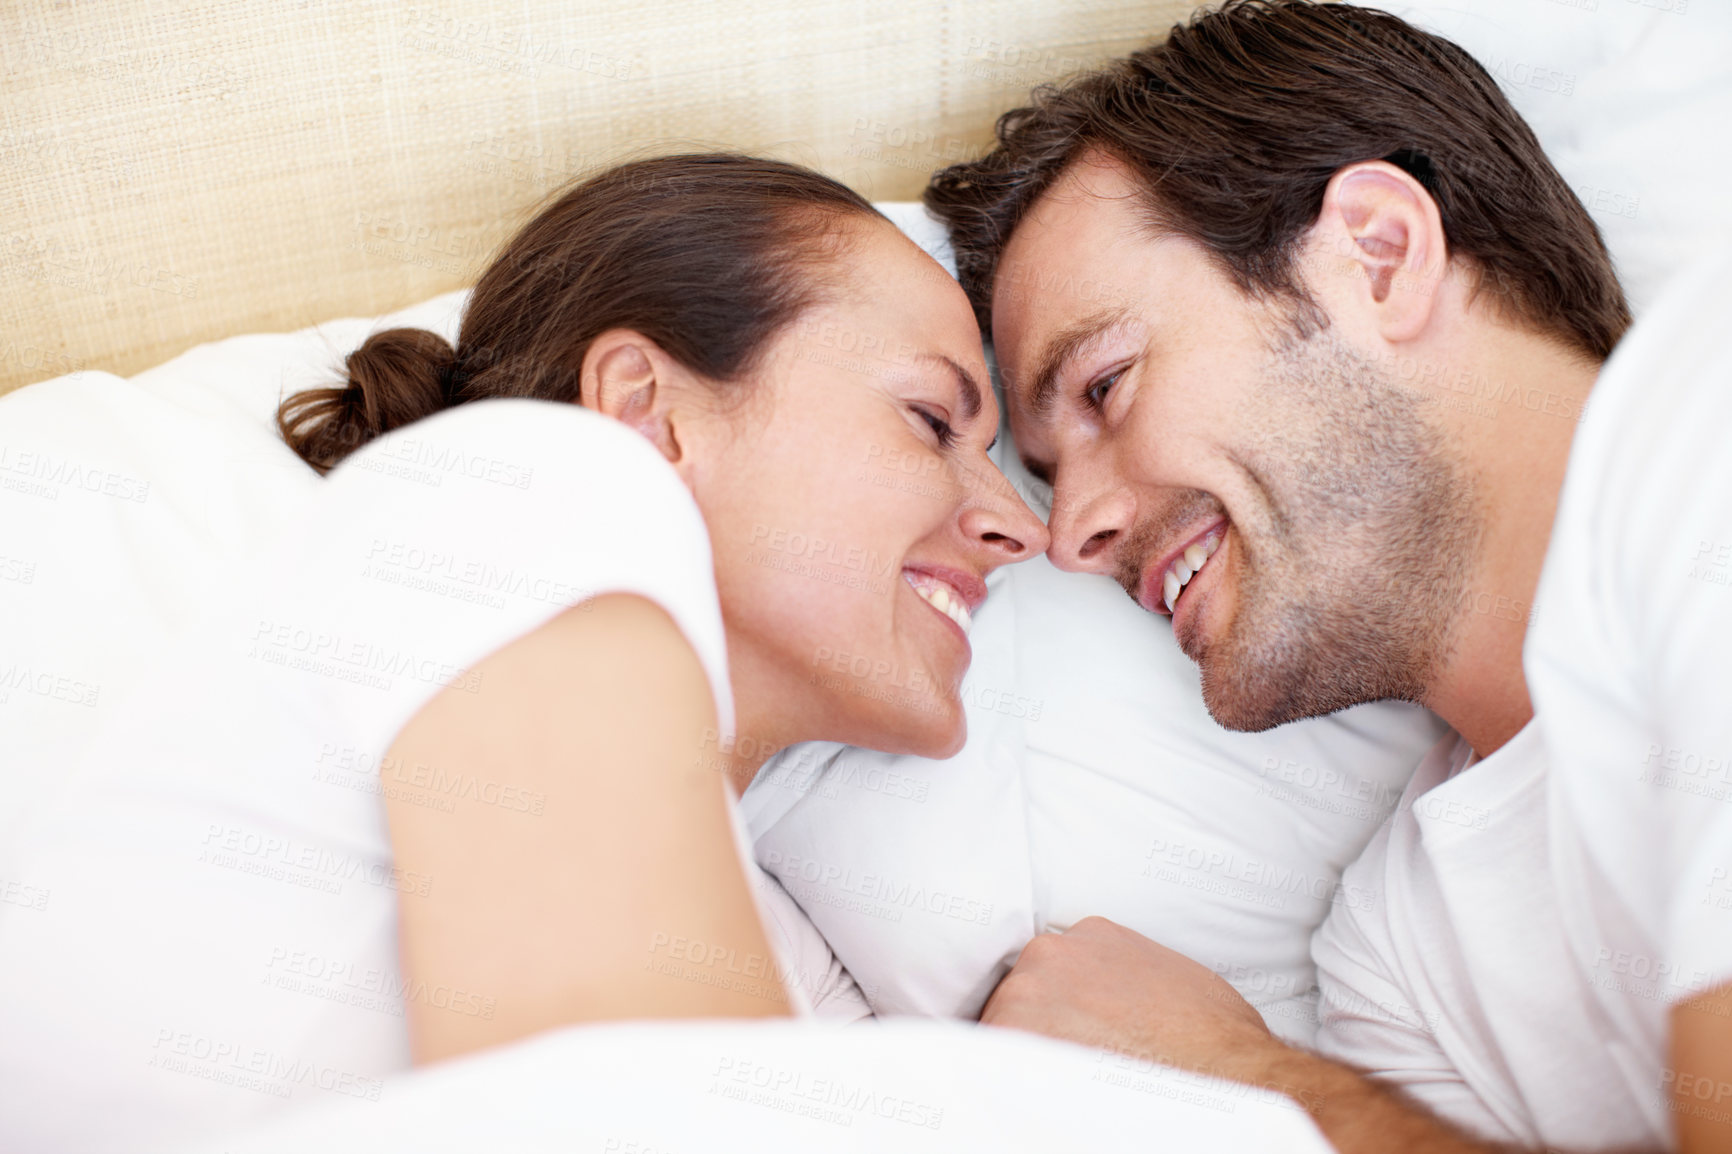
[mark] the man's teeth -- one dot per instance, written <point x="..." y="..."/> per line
<point x="941" y="597"/>
<point x="1181" y="571"/>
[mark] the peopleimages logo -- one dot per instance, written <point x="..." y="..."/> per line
<point x="47" y="683"/>
<point x="446" y="460"/>
<point x="1221" y="871"/>
<point x="471" y="579"/>
<point x="420" y="783"/>
<point x="303" y="864"/>
<point x="778" y="1085"/>
<point x="812" y="547"/>
<point x="351" y="659"/>
<point x="809" y="879"/>
<point x="48" y="474"/>
<point x="368" y="987"/>
<point x="227" y="1062"/>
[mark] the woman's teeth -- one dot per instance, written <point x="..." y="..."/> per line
<point x="1188" y="565"/>
<point x="942" y="597"/>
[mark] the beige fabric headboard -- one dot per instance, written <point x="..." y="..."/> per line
<point x="178" y="172"/>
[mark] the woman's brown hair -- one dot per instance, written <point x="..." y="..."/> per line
<point x="1236" y="123"/>
<point x="709" y="255"/>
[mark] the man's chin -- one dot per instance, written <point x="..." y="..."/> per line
<point x="1251" y="695"/>
<point x="1231" y="711"/>
<point x="1264" y="665"/>
<point x="1243" y="696"/>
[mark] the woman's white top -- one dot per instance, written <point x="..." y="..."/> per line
<point x="222" y="939"/>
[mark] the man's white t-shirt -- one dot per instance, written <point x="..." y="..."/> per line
<point x="221" y="936"/>
<point x="1544" y="908"/>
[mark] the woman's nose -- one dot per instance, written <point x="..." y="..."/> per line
<point x="998" y="518"/>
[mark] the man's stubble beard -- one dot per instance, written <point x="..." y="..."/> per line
<point x="1351" y="590"/>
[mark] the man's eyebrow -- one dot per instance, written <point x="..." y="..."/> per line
<point x="964" y="380"/>
<point x="1061" y="350"/>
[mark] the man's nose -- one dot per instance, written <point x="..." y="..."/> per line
<point x="1085" y="528"/>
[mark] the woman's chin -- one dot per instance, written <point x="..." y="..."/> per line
<point x="924" y="718"/>
<point x="953" y="744"/>
<point x="937" y="733"/>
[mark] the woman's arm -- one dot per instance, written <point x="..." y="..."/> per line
<point x="589" y="869"/>
<point x="1699" y="1079"/>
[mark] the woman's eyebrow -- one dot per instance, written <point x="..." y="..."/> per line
<point x="965" y="382"/>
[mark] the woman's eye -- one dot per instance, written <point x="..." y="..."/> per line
<point x="940" y="426"/>
<point x="1096" y="394"/>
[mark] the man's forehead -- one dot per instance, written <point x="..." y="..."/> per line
<point x="1093" y="179"/>
<point x="1064" y="259"/>
<point x="1068" y="222"/>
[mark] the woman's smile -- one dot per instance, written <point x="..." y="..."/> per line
<point x="953" y="593"/>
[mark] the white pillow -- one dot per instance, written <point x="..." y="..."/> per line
<point x="1093" y="782"/>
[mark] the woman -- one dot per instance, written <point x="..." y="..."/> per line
<point x="704" y="476"/>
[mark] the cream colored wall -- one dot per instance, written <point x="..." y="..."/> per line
<point x="178" y="172"/>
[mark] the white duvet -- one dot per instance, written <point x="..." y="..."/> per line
<point x="689" y="1088"/>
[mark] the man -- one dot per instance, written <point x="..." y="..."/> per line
<point x="1299" y="322"/>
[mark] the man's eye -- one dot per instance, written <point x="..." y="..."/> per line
<point x="1096" y="394"/>
<point x="946" y="435"/>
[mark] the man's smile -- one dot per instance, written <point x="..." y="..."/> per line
<point x="1163" y="582"/>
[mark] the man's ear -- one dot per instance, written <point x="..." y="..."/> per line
<point x="1381" y="224"/>
<point x="625" y="376"/>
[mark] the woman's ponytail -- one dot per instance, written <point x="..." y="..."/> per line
<point x="396" y="377"/>
<point x="708" y="255"/>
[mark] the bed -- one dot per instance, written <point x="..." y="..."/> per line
<point x="197" y="190"/>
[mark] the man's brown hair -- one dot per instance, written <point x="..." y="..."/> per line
<point x="1235" y="124"/>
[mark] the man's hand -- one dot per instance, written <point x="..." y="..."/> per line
<point x="1103" y="985"/>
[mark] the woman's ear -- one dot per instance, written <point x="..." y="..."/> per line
<point x="625" y="376"/>
<point x="1383" y="228"/>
